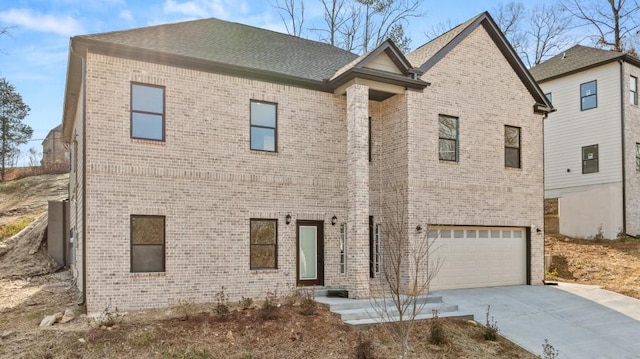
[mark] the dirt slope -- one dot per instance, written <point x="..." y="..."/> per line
<point x="28" y="197"/>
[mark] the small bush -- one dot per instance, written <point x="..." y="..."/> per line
<point x="490" y="330"/>
<point x="364" y="348"/>
<point x="222" y="305"/>
<point x="437" y="334"/>
<point x="109" y="318"/>
<point x="292" y="298"/>
<point x="140" y="340"/>
<point x="12" y="228"/>
<point x="270" y="306"/>
<point x="185" y="308"/>
<point x="548" y="351"/>
<point x="599" y="236"/>
<point x="307" y="304"/>
<point x="246" y="303"/>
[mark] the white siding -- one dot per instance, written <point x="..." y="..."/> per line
<point x="383" y="62"/>
<point x="569" y="129"/>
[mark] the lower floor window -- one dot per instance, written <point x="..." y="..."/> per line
<point x="147" y="243"/>
<point x="378" y="248"/>
<point x="590" y="159"/>
<point x="263" y="242"/>
<point x="343" y="248"/>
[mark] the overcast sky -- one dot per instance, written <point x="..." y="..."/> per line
<point x="34" y="55"/>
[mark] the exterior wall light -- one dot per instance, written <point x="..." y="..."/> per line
<point x="334" y="219"/>
<point x="419" y="228"/>
<point x="287" y="219"/>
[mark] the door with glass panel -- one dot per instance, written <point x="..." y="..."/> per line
<point x="310" y="249"/>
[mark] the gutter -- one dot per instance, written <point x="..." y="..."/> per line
<point x="624" y="182"/>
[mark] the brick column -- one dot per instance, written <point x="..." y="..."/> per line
<point x="358" y="189"/>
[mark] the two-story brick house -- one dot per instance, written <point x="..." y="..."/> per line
<point x="209" y="154"/>
<point x="592" y="142"/>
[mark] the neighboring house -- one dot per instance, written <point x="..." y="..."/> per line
<point x="53" y="150"/>
<point x="592" y="142"/>
<point x="209" y="154"/>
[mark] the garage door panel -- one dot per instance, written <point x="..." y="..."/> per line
<point x="480" y="257"/>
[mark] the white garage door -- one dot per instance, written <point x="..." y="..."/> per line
<point x="479" y="257"/>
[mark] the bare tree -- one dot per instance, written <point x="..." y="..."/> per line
<point x="548" y="31"/>
<point x="439" y="29"/>
<point x="292" y="14"/>
<point x="616" y="22"/>
<point x="34" y="157"/>
<point x="509" y="18"/>
<point x="334" y="18"/>
<point x="380" y="17"/>
<point x="407" y="269"/>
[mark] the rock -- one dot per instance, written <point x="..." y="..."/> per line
<point x="68" y="316"/>
<point x="230" y="336"/>
<point x="81" y="340"/>
<point x="6" y="334"/>
<point x="58" y="316"/>
<point x="48" y="321"/>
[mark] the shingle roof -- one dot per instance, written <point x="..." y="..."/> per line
<point x="574" y="59"/>
<point x="236" y="44"/>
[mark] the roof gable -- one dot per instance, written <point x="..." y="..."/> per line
<point x="386" y="57"/>
<point x="432" y="52"/>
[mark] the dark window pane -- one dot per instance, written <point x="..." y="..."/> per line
<point x="590" y="159"/>
<point x="263" y="114"/>
<point x="263" y="139"/>
<point x="263" y="231"/>
<point x="588" y="89"/>
<point x="263" y="256"/>
<point x="145" y="125"/>
<point x="147" y="98"/>
<point x="147" y="230"/>
<point x="512" y="157"/>
<point x="511" y="136"/>
<point x="588" y="102"/>
<point x="147" y="258"/>
<point x="448" y="127"/>
<point x="447" y="150"/>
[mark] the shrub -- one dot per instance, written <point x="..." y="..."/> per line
<point x="437" y="334"/>
<point x="490" y="331"/>
<point x="364" y="348"/>
<point x="270" y="306"/>
<point x="185" y="308"/>
<point x="548" y="351"/>
<point x="222" y="305"/>
<point x="307" y="303"/>
<point x="108" y="318"/>
<point x="599" y="236"/>
<point x="292" y="298"/>
<point x="246" y="303"/>
<point x="12" y="228"/>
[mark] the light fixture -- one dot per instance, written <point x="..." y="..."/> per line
<point x="419" y="228"/>
<point x="334" y="219"/>
<point x="287" y="219"/>
<point x="538" y="230"/>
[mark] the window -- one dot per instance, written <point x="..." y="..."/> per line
<point x="263" y="126"/>
<point x="590" y="159"/>
<point x="448" y="138"/>
<point x="549" y="97"/>
<point x="633" y="90"/>
<point x="588" y="95"/>
<point x="264" y="233"/>
<point x="369" y="139"/>
<point x="147" y="243"/>
<point x="147" y="112"/>
<point x="512" y="146"/>
<point x="638" y="157"/>
<point x="378" y="248"/>
<point x="343" y="248"/>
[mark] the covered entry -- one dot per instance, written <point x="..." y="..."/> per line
<point x="480" y="256"/>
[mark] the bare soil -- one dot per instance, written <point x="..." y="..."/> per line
<point x="612" y="264"/>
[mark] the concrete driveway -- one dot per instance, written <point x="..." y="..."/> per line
<point x="580" y="321"/>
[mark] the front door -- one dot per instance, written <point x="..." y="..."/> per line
<point x="310" y="248"/>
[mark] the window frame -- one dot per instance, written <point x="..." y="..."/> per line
<point x="275" y="244"/>
<point x="637" y="157"/>
<point x="370" y="154"/>
<point x="519" y="147"/>
<point x="275" y="128"/>
<point x="595" y="94"/>
<point x="132" y="111"/>
<point x="596" y="159"/>
<point x="456" y="140"/>
<point x="343" y="248"/>
<point x="377" y="255"/>
<point x="633" y="90"/>
<point x="164" y="242"/>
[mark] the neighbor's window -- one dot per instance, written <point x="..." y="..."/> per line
<point x="264" y="233"/>
<point x="147" y="112"/>
<point x="633" y="90"/>
<point x="512" y="146"/>
<point x="264" y="124"/>
<point x="588" y="95"/>
<point x="638" y="157"/>
<point x="147" y="243"/>
<point x="343" y="248"/>
<point x="448" y="138"/>
<point x="549" y="96"/>
<point x="590" y="159"/>
<point x="378" y="248"/>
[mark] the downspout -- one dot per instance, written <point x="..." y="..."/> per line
<point x="624" y="184"/>
<point x="84" y="183"/>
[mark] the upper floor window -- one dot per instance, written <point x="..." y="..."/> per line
<point x="512" y="146"/>
<point x="264" y="124"/>
<point x="448" y="138"/>
<point x="633" y="90"/>
<point x="147" y="243"/>
<point x="263" y="243"/>
<point x="147" y="112"/>
<point x="590" y="159"/>
<point x="549" y="96"/>
<point x="588" y="95"/>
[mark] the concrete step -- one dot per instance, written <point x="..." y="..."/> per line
<point x="335" y="304"/>
<point x="373" y="311"/>
<point x="362" y="323"/>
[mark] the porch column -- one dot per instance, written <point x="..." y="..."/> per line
<point x="358" y="189"/>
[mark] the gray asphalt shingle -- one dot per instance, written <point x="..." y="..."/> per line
<point x="575" y="58"/>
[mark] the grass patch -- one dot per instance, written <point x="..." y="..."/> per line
<point x="12" y="228"/>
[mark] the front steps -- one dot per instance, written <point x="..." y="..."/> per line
<point x="365" y="312"/>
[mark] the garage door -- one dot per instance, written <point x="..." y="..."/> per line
<point x="474" y="257"/>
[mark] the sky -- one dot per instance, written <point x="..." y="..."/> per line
<point x="33" y="56"/>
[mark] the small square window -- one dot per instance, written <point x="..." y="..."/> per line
<point x="590" y="159"/>
<point x="448" y="138"/>
<point x="147" y="243"/>
<point x="512" y="146"/>
<point x="588" y="95"/>
<point x="264" y="243"/>
<point x="264" y="124"/>
<point x="147" y="112"/>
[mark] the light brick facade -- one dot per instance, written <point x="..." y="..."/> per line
<point x="208" y="184"/>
